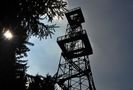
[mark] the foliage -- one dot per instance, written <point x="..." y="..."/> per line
<point x="24" y="17"/>
<point x="39" y="82"/>
<point x="28" y="13"/>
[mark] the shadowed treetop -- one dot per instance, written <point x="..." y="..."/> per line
<point x="23" y="17"/>
<point x="28" y="13"/>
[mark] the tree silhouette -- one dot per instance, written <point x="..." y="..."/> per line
<point x="39" y="82"/>
<point x="23" y="19"/>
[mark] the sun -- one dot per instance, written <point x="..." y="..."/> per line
<point x="8" y="35"/>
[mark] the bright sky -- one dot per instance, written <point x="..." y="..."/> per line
<point x="109" y="24"/>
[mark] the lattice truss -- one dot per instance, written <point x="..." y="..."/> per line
<point x="74" y="72"/>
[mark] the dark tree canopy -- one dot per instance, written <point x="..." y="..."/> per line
<point x="27" y="13"/>
<point x="23" y="18"/>
<point x="39" y="82"/>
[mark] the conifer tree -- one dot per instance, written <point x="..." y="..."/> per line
<point x="23" y="19"/>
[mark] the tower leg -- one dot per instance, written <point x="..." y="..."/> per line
<point x="75" y="74"/>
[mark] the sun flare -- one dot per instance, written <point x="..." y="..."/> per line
<point x="8" y="35"/>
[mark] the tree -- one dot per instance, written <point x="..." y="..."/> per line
<point x="23" y="17"/>
<point x="39" y="82"/>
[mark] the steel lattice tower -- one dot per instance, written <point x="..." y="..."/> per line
<point x="74" y="71"/>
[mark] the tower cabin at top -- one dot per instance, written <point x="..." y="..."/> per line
<point x="76" y="42"/>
